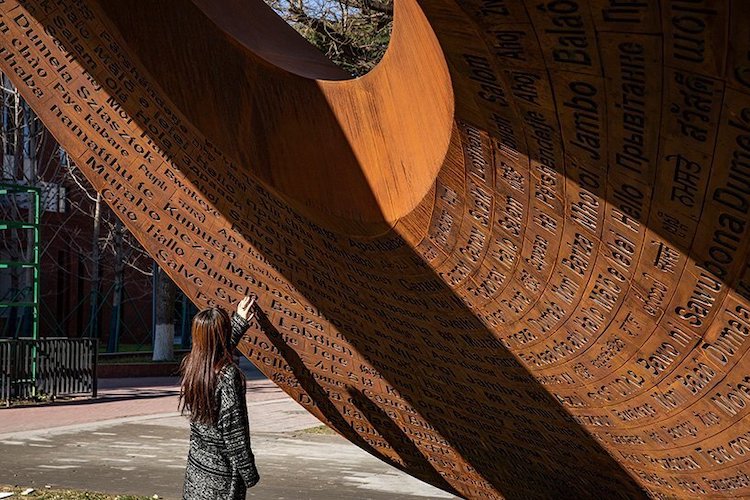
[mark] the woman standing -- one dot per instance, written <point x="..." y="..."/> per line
<point x="220" y="463"/>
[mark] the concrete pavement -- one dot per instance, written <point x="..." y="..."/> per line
<point x="133" y="441"/>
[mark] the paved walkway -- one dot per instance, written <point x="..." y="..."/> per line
<point x="132" y="440"/>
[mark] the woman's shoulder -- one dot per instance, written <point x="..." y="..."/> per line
<point x="229" y="372"/>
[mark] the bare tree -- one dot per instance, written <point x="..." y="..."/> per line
<point x="110" y="239"/>
<point x="24" y="143"/>
<point x="30" y="157"/>
<point x="164" y="329"/>
<point x="354" y="34"/>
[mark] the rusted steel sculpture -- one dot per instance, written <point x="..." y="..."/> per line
<point x="511" y="260"/>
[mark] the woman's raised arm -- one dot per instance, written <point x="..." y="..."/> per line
<point x="241" y="319"/>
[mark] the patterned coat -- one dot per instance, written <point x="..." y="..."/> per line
<point x="220" y="464"/>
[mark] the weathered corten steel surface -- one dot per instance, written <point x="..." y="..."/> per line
<point x="511" y="260"/>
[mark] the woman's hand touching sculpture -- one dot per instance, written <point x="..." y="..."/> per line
<point x="245" y="307"/>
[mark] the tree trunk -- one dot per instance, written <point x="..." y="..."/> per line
<point x="30" y="313"/>
<point x="93" y="330"/>
<point x="114" y="329"/>
<point x="15" y="296"/>
<point x="164" y="330"/>
<point x="18" y="283"/>
<point x="18" y="174"/>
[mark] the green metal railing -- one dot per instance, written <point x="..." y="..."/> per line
<point x="33" y="225"/>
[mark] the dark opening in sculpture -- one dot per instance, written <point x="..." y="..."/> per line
<point x="511" y="260"/>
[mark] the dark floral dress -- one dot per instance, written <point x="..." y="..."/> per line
<point x="220" y="464"/>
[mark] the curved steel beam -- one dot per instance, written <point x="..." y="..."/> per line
<point x="511" y="260"/>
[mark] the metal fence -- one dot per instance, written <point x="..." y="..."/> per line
<point x="48" y="367"/>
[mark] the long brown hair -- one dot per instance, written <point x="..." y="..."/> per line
<point x="211" y="334"/>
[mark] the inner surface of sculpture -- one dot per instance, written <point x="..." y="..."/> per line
<point x="292" y="118"/>
<point x="511" y="260"/>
